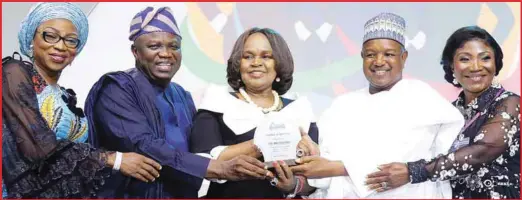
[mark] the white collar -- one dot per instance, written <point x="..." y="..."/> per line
<point x="242" y="117"/>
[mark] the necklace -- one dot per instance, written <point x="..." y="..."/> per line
<point x="265" y="110"/>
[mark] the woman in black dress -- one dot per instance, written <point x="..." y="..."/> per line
<point x="260" y="68"/>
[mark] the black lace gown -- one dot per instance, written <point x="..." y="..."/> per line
<point x="35" y="164"/>
<point x="485" y="159"/>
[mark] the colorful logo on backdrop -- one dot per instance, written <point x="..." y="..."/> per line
<point x="325" y="38"/>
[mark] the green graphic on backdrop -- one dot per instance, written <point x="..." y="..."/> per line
<point x="214" y="72"/>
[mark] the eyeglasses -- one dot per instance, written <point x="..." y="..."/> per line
<point x="53" y="38"/>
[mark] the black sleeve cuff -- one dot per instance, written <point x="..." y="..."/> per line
<point x="417" y="171"/>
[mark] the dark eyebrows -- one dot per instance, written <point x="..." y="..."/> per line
<point x="485" y="53"/>
<point x="158" y="41"/>
<point x="392" y="50"/>
<point x="267" y="52"/>
<point x="462" y="54"/>
<point x="250" y="51"/>
<point x="58" y="32"/>
<point x="53" y="29"/>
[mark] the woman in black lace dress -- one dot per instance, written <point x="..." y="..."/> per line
<point x="43" y="154"/>
<point x="484" y="161"/>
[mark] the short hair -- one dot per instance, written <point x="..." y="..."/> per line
<point x="458" y="39"/>
<point x="284" y="63"/>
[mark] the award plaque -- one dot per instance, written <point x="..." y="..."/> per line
<point x="277" y="137"/>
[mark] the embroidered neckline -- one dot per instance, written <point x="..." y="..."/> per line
<point x="38" y="81"/>
<point x="478" y="104"/>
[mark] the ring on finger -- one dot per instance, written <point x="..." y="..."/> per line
<point x="300" y="153"/>
<point x="384" y="185"/>
<point x="273" y="182"/>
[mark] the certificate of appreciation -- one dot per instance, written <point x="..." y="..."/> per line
<point x="277" y="137"/>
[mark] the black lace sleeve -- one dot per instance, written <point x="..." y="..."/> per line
<point x="497" y="137"/>
<point x="39" y="165"/>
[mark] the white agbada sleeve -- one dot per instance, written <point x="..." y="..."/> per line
<point x="329" y="137"/>
<point x="439" y="111"/>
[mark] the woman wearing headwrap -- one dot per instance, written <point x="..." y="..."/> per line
<point x="43" y="154"/>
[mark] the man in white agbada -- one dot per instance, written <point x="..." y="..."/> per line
<point x="392" y="120"/>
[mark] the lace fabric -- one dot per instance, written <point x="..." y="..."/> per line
<point x="488" y="164"/>
<point x="35" y="163"/>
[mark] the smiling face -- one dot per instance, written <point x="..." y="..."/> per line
<point x="158" y="55"/>
<point x="257" y="66"/>
<point x="383" y="62"/>
<point x="474" y="66"/>
<point x="49" y="55"/>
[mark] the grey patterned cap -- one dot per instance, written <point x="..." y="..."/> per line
<point x="385" y="26"/>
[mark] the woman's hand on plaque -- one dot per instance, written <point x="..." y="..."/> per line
<point x="285" y="180"/>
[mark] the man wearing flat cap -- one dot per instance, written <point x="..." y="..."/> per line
<point x="141" y="110"/>
<point x="393" y="119"/>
